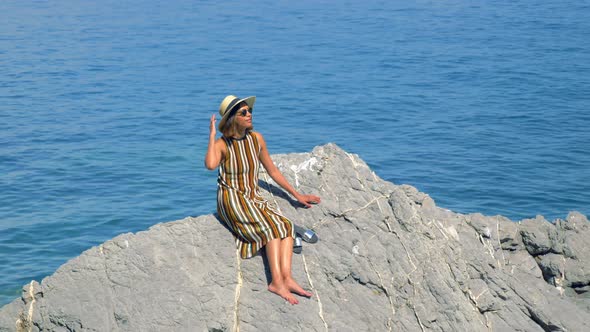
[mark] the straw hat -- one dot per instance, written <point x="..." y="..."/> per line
<point x="225" y="109"/>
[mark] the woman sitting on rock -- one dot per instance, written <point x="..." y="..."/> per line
<point x="254" y="223"/>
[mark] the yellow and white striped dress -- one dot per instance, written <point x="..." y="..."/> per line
<point x="239" y="204"/>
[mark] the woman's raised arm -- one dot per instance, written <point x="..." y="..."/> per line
<point x="216" y="148"/>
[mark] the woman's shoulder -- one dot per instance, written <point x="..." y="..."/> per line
<point x="258" y="139"/>
<point x="221" y="144"/>
<point x="257" y="135"/>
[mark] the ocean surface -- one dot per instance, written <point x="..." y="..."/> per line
<point x="105" y="107"/>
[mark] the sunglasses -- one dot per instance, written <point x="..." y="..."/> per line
<point x="243" y="111"/>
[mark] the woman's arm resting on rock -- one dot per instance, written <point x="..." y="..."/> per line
<point x="278" y="177"/>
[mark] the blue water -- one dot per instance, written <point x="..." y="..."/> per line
<point x="104" y="107"/>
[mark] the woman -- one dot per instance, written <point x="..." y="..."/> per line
<point x="254" y="223"/>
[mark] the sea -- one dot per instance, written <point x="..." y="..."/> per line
<point x="105" y="107"/>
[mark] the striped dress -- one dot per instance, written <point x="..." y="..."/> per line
<point x="239" y="204"/>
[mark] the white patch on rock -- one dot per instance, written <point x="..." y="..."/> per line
<point x="487" y="233"/>
<point x="304" y="166"/>
<point x="355" y="250"/>
<point x="561" y="290"/>
<point x="452" y="232"/>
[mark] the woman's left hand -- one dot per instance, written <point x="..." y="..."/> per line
<point x="307" y="200"/>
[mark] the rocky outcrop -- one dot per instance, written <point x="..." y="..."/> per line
<point x="388" y="259"/>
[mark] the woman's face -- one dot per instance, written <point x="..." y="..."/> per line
<point x="243" y="116"/>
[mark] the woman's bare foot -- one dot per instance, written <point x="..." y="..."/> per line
<point x="283" y="292"/>
<point x="294" y="287"/>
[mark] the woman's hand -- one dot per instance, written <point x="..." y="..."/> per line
<point x="307" y="200"/>
<point x="212" y="130"/>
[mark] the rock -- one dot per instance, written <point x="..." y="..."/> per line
<point x="388" y="259"/>
<point x="538" y="235"/>
<point x="553" y="268"/>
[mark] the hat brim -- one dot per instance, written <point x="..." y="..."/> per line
<point x="248" y="100"/>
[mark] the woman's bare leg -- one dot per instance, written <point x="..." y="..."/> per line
<point x="286" y="254"/>
<point x="278" y="285"/>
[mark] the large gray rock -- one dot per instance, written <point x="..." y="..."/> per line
<point x="388" y="259"/>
